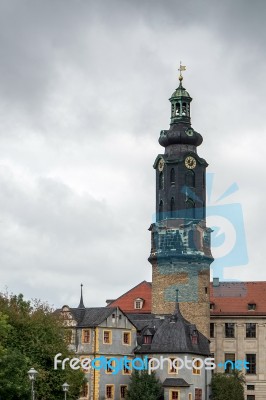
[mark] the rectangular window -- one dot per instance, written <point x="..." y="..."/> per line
<point x="86" y="335"/>
<point x="251" y="306"/>
<point x="172" y="366"/>
<point x="70" y="336"/>
<point x="174" y="395"/>
<point x="198" y="394"/>
<point x="123" y="391"/>
<point x="107" y="337"/>
<point x="196" y="369"/>
<point x="127" y="367"/>
<point x="109" y="365"/>
<point x="229" y="330"/>
<point x="251" y="359"/>
<point x="250" y="397"/>
<point x="212" y="330"/>
<point x="109" y="391"/>
<point x="127" y="338"/>
<point x="250" y="387"/>
<point x="251" y="330"/>
<point x="147" y="339"/>
<point x="229" y="359"/>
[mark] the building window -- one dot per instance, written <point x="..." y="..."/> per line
<point x="250" y="330"/>
<point x="172" y="177"/>
<point x="107" y="337"/>
<point x="126" y="338"/>
<point x="110" y="365"/>
<point x="250" y="387"/>
<point x="251" y="306"/>
<point x="190" y="396"/>
<point x="172" y="367"/>
<point x="138" y="304"/>
<point x="198" y="394"/>
<point x="251" y="359"/>
<point x="147" y="339"/>
<point x="126" y="370"/>
<point x="229" y="330"/>
<point x="194" y="337"/>
<point x="190" y="179"/>
<point x="250" y="397"/>
<point x="123" y="391"/>
<point x="174" y="395"/>
<point x="109" y="391"/>
<point x="229" y="362"/>
<point x="212" y="330"/>
<point x="86" y="334"/>
<point x="211" y="306"/>
<point x="85" y="390"/>
<point x="196" y="370"/>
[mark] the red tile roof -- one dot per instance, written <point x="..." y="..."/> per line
<point x="229" y="298"/>
<point x="126" y="301"/>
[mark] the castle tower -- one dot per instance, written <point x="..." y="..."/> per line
<point x="180" y="241"/>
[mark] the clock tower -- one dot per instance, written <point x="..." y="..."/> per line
<point x="180" y="241"/>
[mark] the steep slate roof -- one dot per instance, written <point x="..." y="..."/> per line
<point x="90" y="317"/>
<point x="126" y="301"/>
<point x="229" y="298"/>
<point x="171" y="335"/>
<point x="175" y="382"/>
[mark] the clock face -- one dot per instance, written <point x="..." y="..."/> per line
<point x="161" y="165"/>
<point x="190" y="162"/>
<point x="189" y="132"/>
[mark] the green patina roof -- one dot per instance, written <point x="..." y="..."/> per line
<point x="180" y="92"/>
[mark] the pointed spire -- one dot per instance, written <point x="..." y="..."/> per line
<point x="81" y="304"/>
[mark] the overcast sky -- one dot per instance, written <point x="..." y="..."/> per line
<point x="84" y="89"/>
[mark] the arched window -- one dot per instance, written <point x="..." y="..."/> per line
<point x="190" y="209"/>
<point x="190" y="178"/>
<point x="173" y="109"/>
<point x="172" y="207"/>
<point x="184" y="109"/>
<point x="172" y="177"/>
<point x="161" y="180"/>
<point x="177" y="109"/>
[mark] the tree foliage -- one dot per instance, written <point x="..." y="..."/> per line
<point x="144" y="386"/>
<point x="30" y="336"/>
<point x="228" y="386"/>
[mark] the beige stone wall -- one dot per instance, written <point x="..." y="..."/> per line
<point x="240" y="346"/>
<point x="198" y="311"/>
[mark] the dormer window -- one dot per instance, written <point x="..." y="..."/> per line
<point x="194" y="337"/>
<point x="138" y="304"/>
<point x="252" y="306"/>
<point x="147" y="339"/>
<point x="212" y="306"/>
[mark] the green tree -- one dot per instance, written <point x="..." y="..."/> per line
<point x="228" y="386"/>
<point x="31" y="334"/>
<point x="144" y="386"/>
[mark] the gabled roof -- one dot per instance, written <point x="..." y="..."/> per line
<point x="126" y="301"/>
<point x="91" y="317"/>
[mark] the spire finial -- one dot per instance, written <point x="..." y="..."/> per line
<point x="81" y="304"/>
<point x="180" y="69"/>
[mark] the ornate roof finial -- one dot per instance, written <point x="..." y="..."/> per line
<point x="180" y="69"/>
<point x="81" y="304"/>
